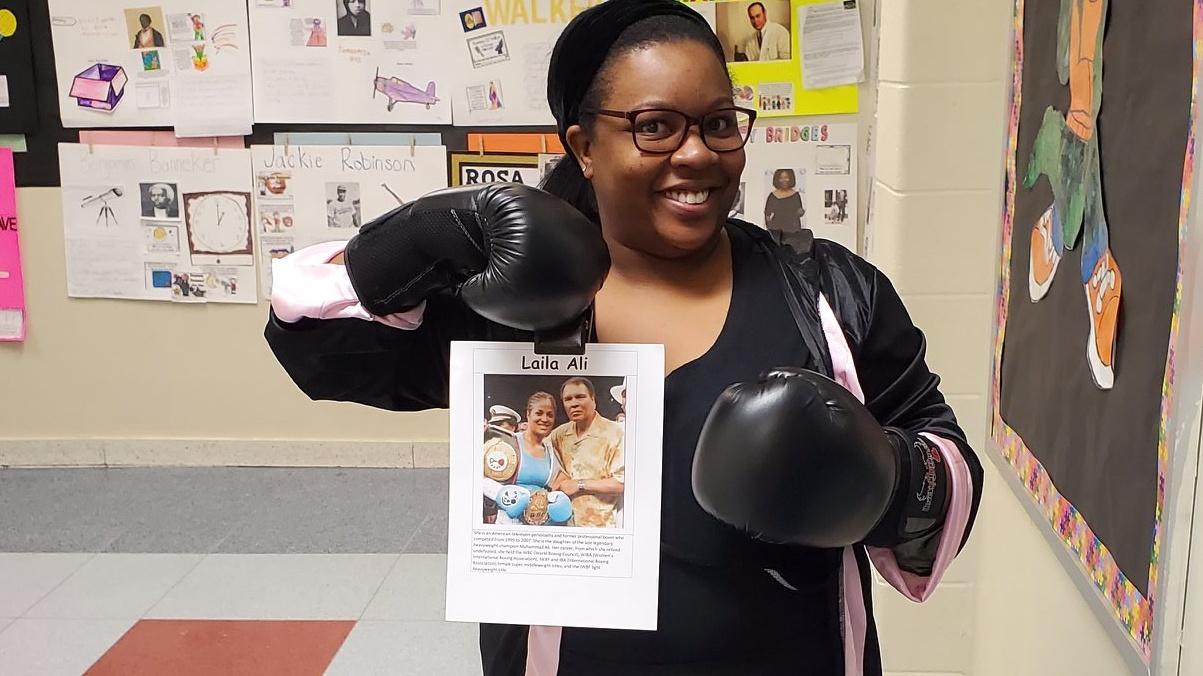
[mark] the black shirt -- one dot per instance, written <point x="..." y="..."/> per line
<point x="721" y="611"/>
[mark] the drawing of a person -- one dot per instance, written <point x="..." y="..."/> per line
<point x="148" y="36"/>
<point x="198" y="27"/>
<point x="317" y="35"/>
<point x="494" y="97"/>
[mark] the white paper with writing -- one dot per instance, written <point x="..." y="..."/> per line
<point x="833" y="53"/>
<point x="512" y="561"/>
<point x="153" y="223"/>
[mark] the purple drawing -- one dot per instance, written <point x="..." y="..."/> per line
<point x="400" y="91"/>
<point x="100" y="87"/>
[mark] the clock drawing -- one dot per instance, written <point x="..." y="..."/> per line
<point x="218" y="224"/>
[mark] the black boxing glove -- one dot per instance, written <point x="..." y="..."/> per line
<point x="795" y="458"/>
<point x="514" y="254"/>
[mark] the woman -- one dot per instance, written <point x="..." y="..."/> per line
<point x="536" y="469"/>
<point x="783" y="208"/>
<point x="643" y="104"/>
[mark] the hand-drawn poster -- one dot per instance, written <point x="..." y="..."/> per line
<point x="533" y="514"/>
<point x="169" y="224"/>
<point x="352" y="61"/>
<point x="12" y="285"/>
<point x="801" y="175"/>
<point x="306" y="195"/>
<point x="499" y="57"/>
<point x="1100" y="161"/>
<point x="763" y="49"/>
<point x="179" y="63"/>
<point x="18" y="100"/>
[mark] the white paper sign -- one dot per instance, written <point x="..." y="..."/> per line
<point x="500" y="53"/>
<point x="801" y="176"/>
<point x="514" y="533"/>
<point x="177" y="63"/>
<point x="306" y="195"/>
<point x="167" y="224"/>
<point x="832" y="51"/>
<point x="325" y="61"/>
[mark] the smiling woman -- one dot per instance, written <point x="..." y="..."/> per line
<point x="803" y="431"/>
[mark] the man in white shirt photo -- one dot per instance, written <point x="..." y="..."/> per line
<point x="770" y="41"/>
<point x="159" y="201"/>
<point x="342" y="212"/>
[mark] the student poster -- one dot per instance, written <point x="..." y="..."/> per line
<point x="352" y="61"/>
<point x="764" y="53"/>
<point x="480" y="168"/>
<point x="12" y="286"/>
<point x="306" y="195"/>
<point x="1100" y="172"/>
<point x="500" y="54"/>
<point x="177" y="63"/>
<point x="166" y="224"/>
<point x="18" y="100"/>
<point x="801" y="175"/>
<point x="537" y="511"/>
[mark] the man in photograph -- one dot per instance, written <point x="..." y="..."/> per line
<point x="148" y="36"/>
<point x="342" y="212"/>
<point x="591" y="450"/>
<point x="770" y="41"/>
<point x="354" y="19"/>
<point x="158" y="201"/>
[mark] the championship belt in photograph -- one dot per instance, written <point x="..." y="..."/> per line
<point x="501" y="458"/>
<point x="535" y="513"/>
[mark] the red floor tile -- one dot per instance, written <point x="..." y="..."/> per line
<point x="224" y="648"/>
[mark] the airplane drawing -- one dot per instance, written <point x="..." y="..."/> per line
<point x="400" y="91"/>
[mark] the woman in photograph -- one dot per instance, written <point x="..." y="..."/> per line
<point x="783" y="208"/>
<point x="536" y="469"/>
<point x="628" y="241"/>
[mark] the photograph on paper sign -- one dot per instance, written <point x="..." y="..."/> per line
<point x="833" y="160"/>
<point x="754" y="31"/>
<point x="160" y="201"/>
<point x="144" y="25"/>
<point x="775" y="96"/>
<point x="342" y="205"/>
<point x="186" y="27"/>
<point x="488" y="49"/>
<point x="276" y="219"/>
<point x="354" y="17"/>
<point x="161" y="238"/>
<point x="785" y="198"/>
<point x="554" y="450"/>
<point x="273" y="184"/>
<point x="835" y="205"/>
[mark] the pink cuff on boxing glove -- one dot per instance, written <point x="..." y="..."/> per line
<point x="306" y="284"/>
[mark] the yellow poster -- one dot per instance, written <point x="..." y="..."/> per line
<point x="761" y="42"/>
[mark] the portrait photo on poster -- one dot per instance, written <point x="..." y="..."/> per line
<point x="160" y="201"/>
<point x="754" y="31"/>
<point x="342" y="205"/>
<point x="544" y="437"/>
<point x="145" y="25"/>
<point x="785" y="199"/>
<point x="354" y="18"/>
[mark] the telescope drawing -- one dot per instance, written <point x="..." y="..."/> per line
<point x="106" y="212"/>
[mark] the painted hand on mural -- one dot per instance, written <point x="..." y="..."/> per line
<point x="1066" y="151"/>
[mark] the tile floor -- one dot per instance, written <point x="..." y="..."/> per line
<point x="226" y="572"/>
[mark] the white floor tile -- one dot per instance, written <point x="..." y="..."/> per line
<point x="415" y="589"/>
<point x="26" y="578"/>
<point x="277" y="587"/>
<point x="35" y="647"/>
<point x="115" y="586"/>
<point x="388" y="648"/>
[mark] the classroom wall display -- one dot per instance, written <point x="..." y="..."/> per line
<point x="18" y="95"/>
<point x="801" y="175"/>
<point x="761" y="41"/>
<point x="179" y="63"/>
<point x="168" y="224"/>
<point x="352" y="61"/>
<point x="1098" y="177"/>
<point x="480" y="168"/>
<point x="306" y="195"/>
<point x="12" y="285"/>
<point x="500" y="50"/>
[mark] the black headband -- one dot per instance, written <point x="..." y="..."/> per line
<point x="584" y="45"/>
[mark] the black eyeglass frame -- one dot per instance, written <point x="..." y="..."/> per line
<point x="690" y="120"/>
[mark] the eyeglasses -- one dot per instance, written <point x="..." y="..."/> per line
<point x="662" y="131"/>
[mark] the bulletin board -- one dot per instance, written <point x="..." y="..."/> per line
<point x="1100" y="163"/>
